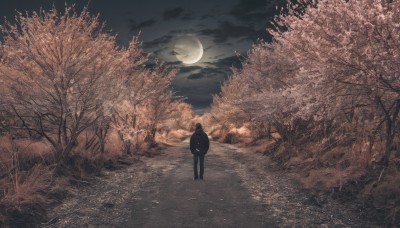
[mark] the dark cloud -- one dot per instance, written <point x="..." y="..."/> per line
<point x="217" y="73"/>
<point x="173" y="52"/>
<point x="160" y="50"/>
<point x="217" y="56"/>
<point x="198" y="95"/>
<point x="199" y="83"/>
<point x="174" y="13"/>
<point x="189" y="69"/>
<point x="207" y="48"/>
<point x="257" y="13"/>
<point x="178" y="13"/>
<point x="175" y="64"/>
<point x="188" y="16"/>
<point x="158" y="42"/>
<point x="249" y="10"/>
<point x="228" y="62"/>
<point x="208" y="16"/>
<point x="217" y="70"/>
<point x="137" y="26"/>
<point x="227" y="30"/>
<point x="256" y="10"/>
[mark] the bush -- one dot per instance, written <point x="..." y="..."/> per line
<point x="230" y="138"/>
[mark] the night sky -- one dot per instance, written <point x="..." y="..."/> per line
<point x="224" y="27"/>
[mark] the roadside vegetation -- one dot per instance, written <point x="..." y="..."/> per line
<point x="73" y="102"/>
<point x="323" y="100"/>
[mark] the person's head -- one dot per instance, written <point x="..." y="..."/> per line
<point x="198" y="126"/>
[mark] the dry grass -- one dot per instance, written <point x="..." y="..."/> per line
<point x="363" y="156"/>
<point x="113" y="145"/>
<point x="232" y="135"/>
<point x="325" y="179"/>
<point x="260" y="146"/>
<point x="177" y="135"/>
<point x="386" y="196"/>
<point x="91" y="150"/>
<point x="24" y="181"/>
<point x="86" y="158"/>
<point x="20" y="185"/>
<point x="31" y="180"/>
<point x="344" y="171"/>
<point x="26" y="187"/>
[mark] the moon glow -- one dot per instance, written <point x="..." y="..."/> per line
<point x="188" y="49"/>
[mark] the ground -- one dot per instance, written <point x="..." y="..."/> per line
<point x="240" y="189"/>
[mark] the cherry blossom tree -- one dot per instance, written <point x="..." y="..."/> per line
<point x="333" y="68"/>
<point x="257" y="92"/>
<point x="144" y="89"/>
<point x="182" y="117"/>
<point x="349" y="51"/>
<point x="59" y="69"/>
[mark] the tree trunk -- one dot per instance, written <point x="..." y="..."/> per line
<point x="269" y="131"/>
<point x="150" y="137"/>
<point x="127" y="147"/>
<point x="391" y="124"/>
<point x="101" y="133"/>
<point x="390" y="132"/>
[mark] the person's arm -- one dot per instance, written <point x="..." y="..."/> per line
<point x="191" y="144"/>
<point x="207" y="142"/>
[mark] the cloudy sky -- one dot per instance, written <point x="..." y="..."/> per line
<point x="223" y="27"/>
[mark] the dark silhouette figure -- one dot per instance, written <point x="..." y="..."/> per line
<point x="199" y="145"/>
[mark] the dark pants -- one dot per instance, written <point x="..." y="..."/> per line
<point x="195" y="161"/>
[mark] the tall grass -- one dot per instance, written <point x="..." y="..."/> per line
<point x="23" y="181"/>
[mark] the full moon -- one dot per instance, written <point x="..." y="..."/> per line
<point x="188" y="49"/>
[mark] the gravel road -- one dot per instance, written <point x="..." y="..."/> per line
<point x="240" y="189"/>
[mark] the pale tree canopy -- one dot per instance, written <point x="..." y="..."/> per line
<point x="62" y="71"/>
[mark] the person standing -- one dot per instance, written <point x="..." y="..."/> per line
<point x="199" y="145"/>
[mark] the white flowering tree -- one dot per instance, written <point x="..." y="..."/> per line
<point x="349" y="51"/>
<point x="332" y="68"/>
<point x="144" y="90"/>
<point x="59" y="69"/>
<point x="259" y="91"/>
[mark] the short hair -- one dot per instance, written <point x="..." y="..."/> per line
<point x="198" y="126"/>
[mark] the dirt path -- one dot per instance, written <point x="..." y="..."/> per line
<point x="240" y="190"/>
<point x="220" y="200"/>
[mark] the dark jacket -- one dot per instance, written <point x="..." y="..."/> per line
<point x="204" y="142"/>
